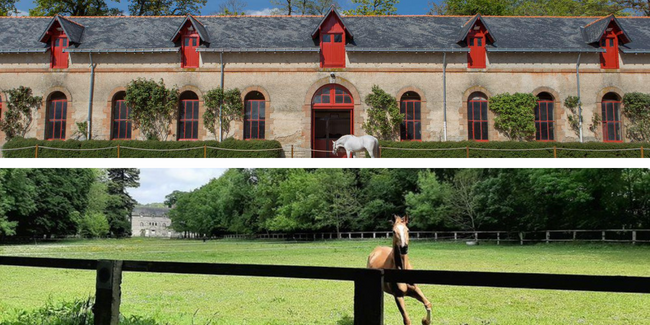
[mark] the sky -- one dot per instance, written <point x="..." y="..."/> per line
<point x="155" y="183"/>
<point x="259" y="7"/>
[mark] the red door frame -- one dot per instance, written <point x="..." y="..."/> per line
<point x="58" y="58"/>
<point x="52" y="121"/>
<point x="476" y="58"/>
<point x="616" y="120"/>
<point x="548" y="121"/>
<point x="119" y="118"/>
<point x="259" y="102"/>
<point x="193" y="119"/>
<point x="332" y="105"/>
<point x="406" y="101"/>
<point x="471" y="118"/>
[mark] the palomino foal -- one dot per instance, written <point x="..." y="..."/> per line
<point x="397" y="258"/>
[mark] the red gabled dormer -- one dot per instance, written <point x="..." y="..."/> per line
<point x="191" y="34"/>
<point x="333" y="36"/>
<point x="609" y="35"/>
<point x="59" y="35"/>
<point x="476" y="34"/>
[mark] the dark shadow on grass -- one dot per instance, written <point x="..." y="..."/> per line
<point x="345" y="320"/>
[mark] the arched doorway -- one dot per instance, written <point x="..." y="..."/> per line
<point x="332" y="117"/>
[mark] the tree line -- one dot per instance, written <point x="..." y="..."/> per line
<point x="66" y="202"/>
<point x="320" y="7"/>
<point x="298" y="200"/>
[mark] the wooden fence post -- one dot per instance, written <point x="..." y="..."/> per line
<point x="369" y="298"/>
<point x="108" y="292"/>
<point x="642" y="156"/>
<point x="633" y="237"/>
<point x="554" y="151"/>
<point x="548" y="237"/>
<point x="521" y="238"/>
<point x="205" y="151"/>
<point x="435" y="235"/>
<point x="118" y="151"/>
<point x="291" y="151"/>
<point x="467" y="148"/>
<point x="498" y="238"/>
<point x="574" y="235"/>
<point x="603" y="236"/>
<point x="455" y="236"/>
<point x="36" y="152"/>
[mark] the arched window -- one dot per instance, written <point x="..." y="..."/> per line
<point x="141" y="224"/>
<point x="164" y="225"/>
<point x="611" y="116"/>
<point x="410" y="106"/>
<point x="121" y="116"/>
<point x="55" y="119"/>
<point x="254" y="115"/>
<point x="544" y="120"/>
<point x="188" y="117"/>
<point x="477" y="117"/>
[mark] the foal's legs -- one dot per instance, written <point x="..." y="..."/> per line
<point x="402" y="309"/>
<point x="416" y="293"/>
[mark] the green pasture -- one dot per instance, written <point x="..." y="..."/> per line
<point x="189" y="299"/>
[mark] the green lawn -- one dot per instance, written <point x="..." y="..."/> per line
<point x="189" y="299"/>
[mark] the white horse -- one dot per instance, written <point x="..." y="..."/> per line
<point x="353" y="144"/>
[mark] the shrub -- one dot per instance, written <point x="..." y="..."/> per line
<point x="547" y="153"/>
<point x="194" y="149"/>
<point x="230" y="104"/>
<point x="636" y="107"/>
<point x="384" y="117"/>
<point x="153" y="107"/>
<point x="515" y="115"/>
<point x="19" y="112"/>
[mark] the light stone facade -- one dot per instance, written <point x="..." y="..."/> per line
<point x="288" y="82"/>
<point x="151" y="222"/>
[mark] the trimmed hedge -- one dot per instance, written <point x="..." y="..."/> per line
<point x="462" y="153"/>
<point x="130" y="153"/>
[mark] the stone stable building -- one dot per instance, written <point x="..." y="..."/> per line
<point x="304" y="79"/>
<point x="151" y="222"/>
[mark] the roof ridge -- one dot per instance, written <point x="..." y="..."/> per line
<point x="70" y="21"/>
<point x="320" y="16"/>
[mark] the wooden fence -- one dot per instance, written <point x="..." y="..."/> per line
<point x="548" y="236"/>
<point x="368" y="283"/>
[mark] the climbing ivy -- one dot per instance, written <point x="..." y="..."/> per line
<point x="384" y="117"/>
<point x="19" y="112"/>
<point x="153" y="107"/>
<point x="515" y="115"/>
<point x="232" y="109"/>
<point x="636" y="107"/>
<point x="573" y="116"/>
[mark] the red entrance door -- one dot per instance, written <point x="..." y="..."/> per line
<point x="332" y="118"/>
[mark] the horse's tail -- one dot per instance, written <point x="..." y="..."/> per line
<point x="375" y="150"/>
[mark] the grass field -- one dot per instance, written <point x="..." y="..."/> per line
<point x="189" y="299"/>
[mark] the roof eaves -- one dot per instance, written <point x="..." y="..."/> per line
<point x="17" y="51"/>
<point x="151" y="50"/>
<point x="409" y="50"/>
<point x="549" y="50"/>
<point x="257" y="50"/>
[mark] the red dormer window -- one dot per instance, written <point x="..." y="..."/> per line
<point x="476" y="56"/>
<point x="189" y="43"/>
<point x="332" y="43"/>
<point x="58" y="43"/>
<point x="609" y="42"/>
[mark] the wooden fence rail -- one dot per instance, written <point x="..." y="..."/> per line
<point x="368" y="283"/>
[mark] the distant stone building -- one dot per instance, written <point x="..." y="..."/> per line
<point x="151" y="222"/>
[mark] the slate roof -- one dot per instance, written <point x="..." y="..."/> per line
<point x="375" y="33"/>
<point x="471" y="23"/>
<point x="198" y="26"/>
<point x="147" y="211"/>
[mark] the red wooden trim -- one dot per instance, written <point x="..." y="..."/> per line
<point x="610" y="42"/>
<point x="120" y="118"/>
<point x="470" y="118"/>
<point x="615" y="120"/>
<point x="476" y="58"/>
<point x="189" y="55"/>
<point x="330" y="106"/>
<point x="550" y="122"/>
<point x="248" y="123"/>
<point x="51" y="122"/>
<point x="413" y="120"/>
<point x="58" y="58"/>
<point x="192" y="119"/>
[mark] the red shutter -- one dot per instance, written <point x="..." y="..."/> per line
<point x="609" y="59"/>
<point x="476" y="55"/>
<point x="190" y="55"/>
<point x="59" y="59"/>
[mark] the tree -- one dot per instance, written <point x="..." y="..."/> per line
<point x="230" y="104"/>
<point x="285" y="7"/>
<point x="165" y="7"/>
<point x="384" y="117"/>
<point x="172" y="198"/>
<point x="321" y="7"/>
<point x="464" y="199"/>
<point x="515" y="115"/>
<point x="636" y="107"/>
<point x="526" y="7"/>
<point x="429" y="206"/>
<point x="120" y="205"/>
<point x="373" y="7"/>
<point x="73" y="8"/>
<point x="8" y="7"/>
<point x="232" y="8"/>
<point x="93" y="225"/>
<point x="639" y="6"/>
<point x="19" y="111"/>
<point x="153" y="107"/>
